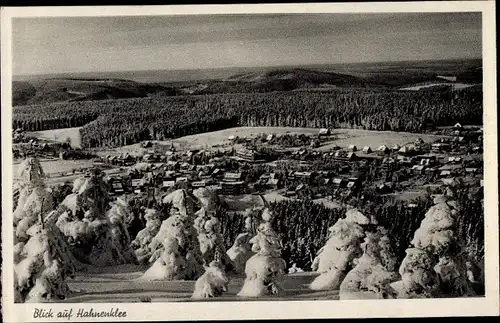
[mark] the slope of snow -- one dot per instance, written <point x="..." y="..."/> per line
<point x="101" y="285"/>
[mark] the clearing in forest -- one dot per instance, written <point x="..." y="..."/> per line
<point x="59" y="135"/>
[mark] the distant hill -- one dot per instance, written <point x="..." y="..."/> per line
<point x="79" y="89"/>
<point x="472" y="75"/>
<point x="119" y="85"/>
<point x="279" y="80"/>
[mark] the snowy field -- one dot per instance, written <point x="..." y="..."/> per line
<point x="52" y="166"/>
<point x="458" y="86"/>
<point x="118" y="284"/>
<point x="59" y="135"/>
<point x="340" y="137"/>
<point x="360" y="138"/>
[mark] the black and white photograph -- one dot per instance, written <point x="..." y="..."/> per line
<point x="249" y="157"/>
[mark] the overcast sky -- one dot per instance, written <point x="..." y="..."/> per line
<point x="96" y="44"/>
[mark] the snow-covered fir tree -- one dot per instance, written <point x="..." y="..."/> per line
<point x="241" y="250"/>
<point x="374" y="270"/>
<point x="142" y="241"/>
<point x="170" y="264"/>
<point x="34" y="198"/>
<point x="335" y="258"/>
<point x="94" y="225"/>
<point x="265" y="269"/>
<point x="180" y="225"/>
<point x="42" y="259"/>
<point x="435" y="265"/>
<point x="209" y="236"/>
<point x="214" y="280"/>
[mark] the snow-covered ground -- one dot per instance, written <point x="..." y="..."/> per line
<point x="118" y="284"/>
<point x="458" y="86"/>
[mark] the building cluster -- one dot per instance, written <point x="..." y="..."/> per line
<point x="229" y="172"/>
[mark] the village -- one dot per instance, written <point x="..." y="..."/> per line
<point x="263" y="166"/>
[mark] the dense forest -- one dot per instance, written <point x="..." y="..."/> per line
<point x="128" y="121"/>
<point x="303" y="225"/>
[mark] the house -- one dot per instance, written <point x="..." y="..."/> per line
<point x="448" y="181"/>
<point x="440" y="146"/>
<point x="426" y="160"/>
<point x="136" y="182"/>
<point x="477" y="149"/>
<point x="383" y="149"/>
<point x="290" y="193"/>
<point x="396" y="147"/>
<point x="412" y="205"/>
<point x="169" y="175"/>
<point x="198" y="184"/>
<point x="269" y="137"/>
<point x="352" y="148"/>
<point x="305" y="175"/>
<point x="388" y="161"/>
<point x="412" y="147"/>
<point x="33" y="141"/>
<point x="418" y="169"/>
<point x="431" y="170"/>
<point x="117" y="188"/>
<point x="403" y="150"/>
<point x="273" y="182"/>
<point x="351" y="156"/>
<point x="232" y="188"/>
<point x="367" y="150"/>
<point x="471" y="170"/>
<point x="63" y="154"/>
<point x="351" y="185"/>
<point x="457" y="126"/>
<point x="146" y="144"/>
<point x="353" y="181"/>
<point x="168" y="184"/>
<point x="445" y="173"/>
<point x="126" y="160"/>
<point x="216" y="172"/>
<point x="232" y="137"/>
<point x="419" y="141"/>
<point x="264" y="177"/>
<point x="339" y="182"/>
<point x="454" y="159"/>
<point x="324" y="132"/>
<point x="189" y="155"/>
<point x="404" y="160"/>
<point x="385" y="187"/>
<point x="232" y="177"/>
<point x="344" y="169"/>
<point x="315" y="143"/>
<point x="345" y="155"/>
<point x="248" y="155"/>
<point x="173" y="164"/>
<point x="299" y="187"/>
<point x="181" y="179"/>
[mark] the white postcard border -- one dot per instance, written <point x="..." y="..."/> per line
<point x="488" y="305"/>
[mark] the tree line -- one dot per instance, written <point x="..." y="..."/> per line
<point x="128" y="121"/>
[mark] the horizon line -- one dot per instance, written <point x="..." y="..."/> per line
<point x="265" y="66"/>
